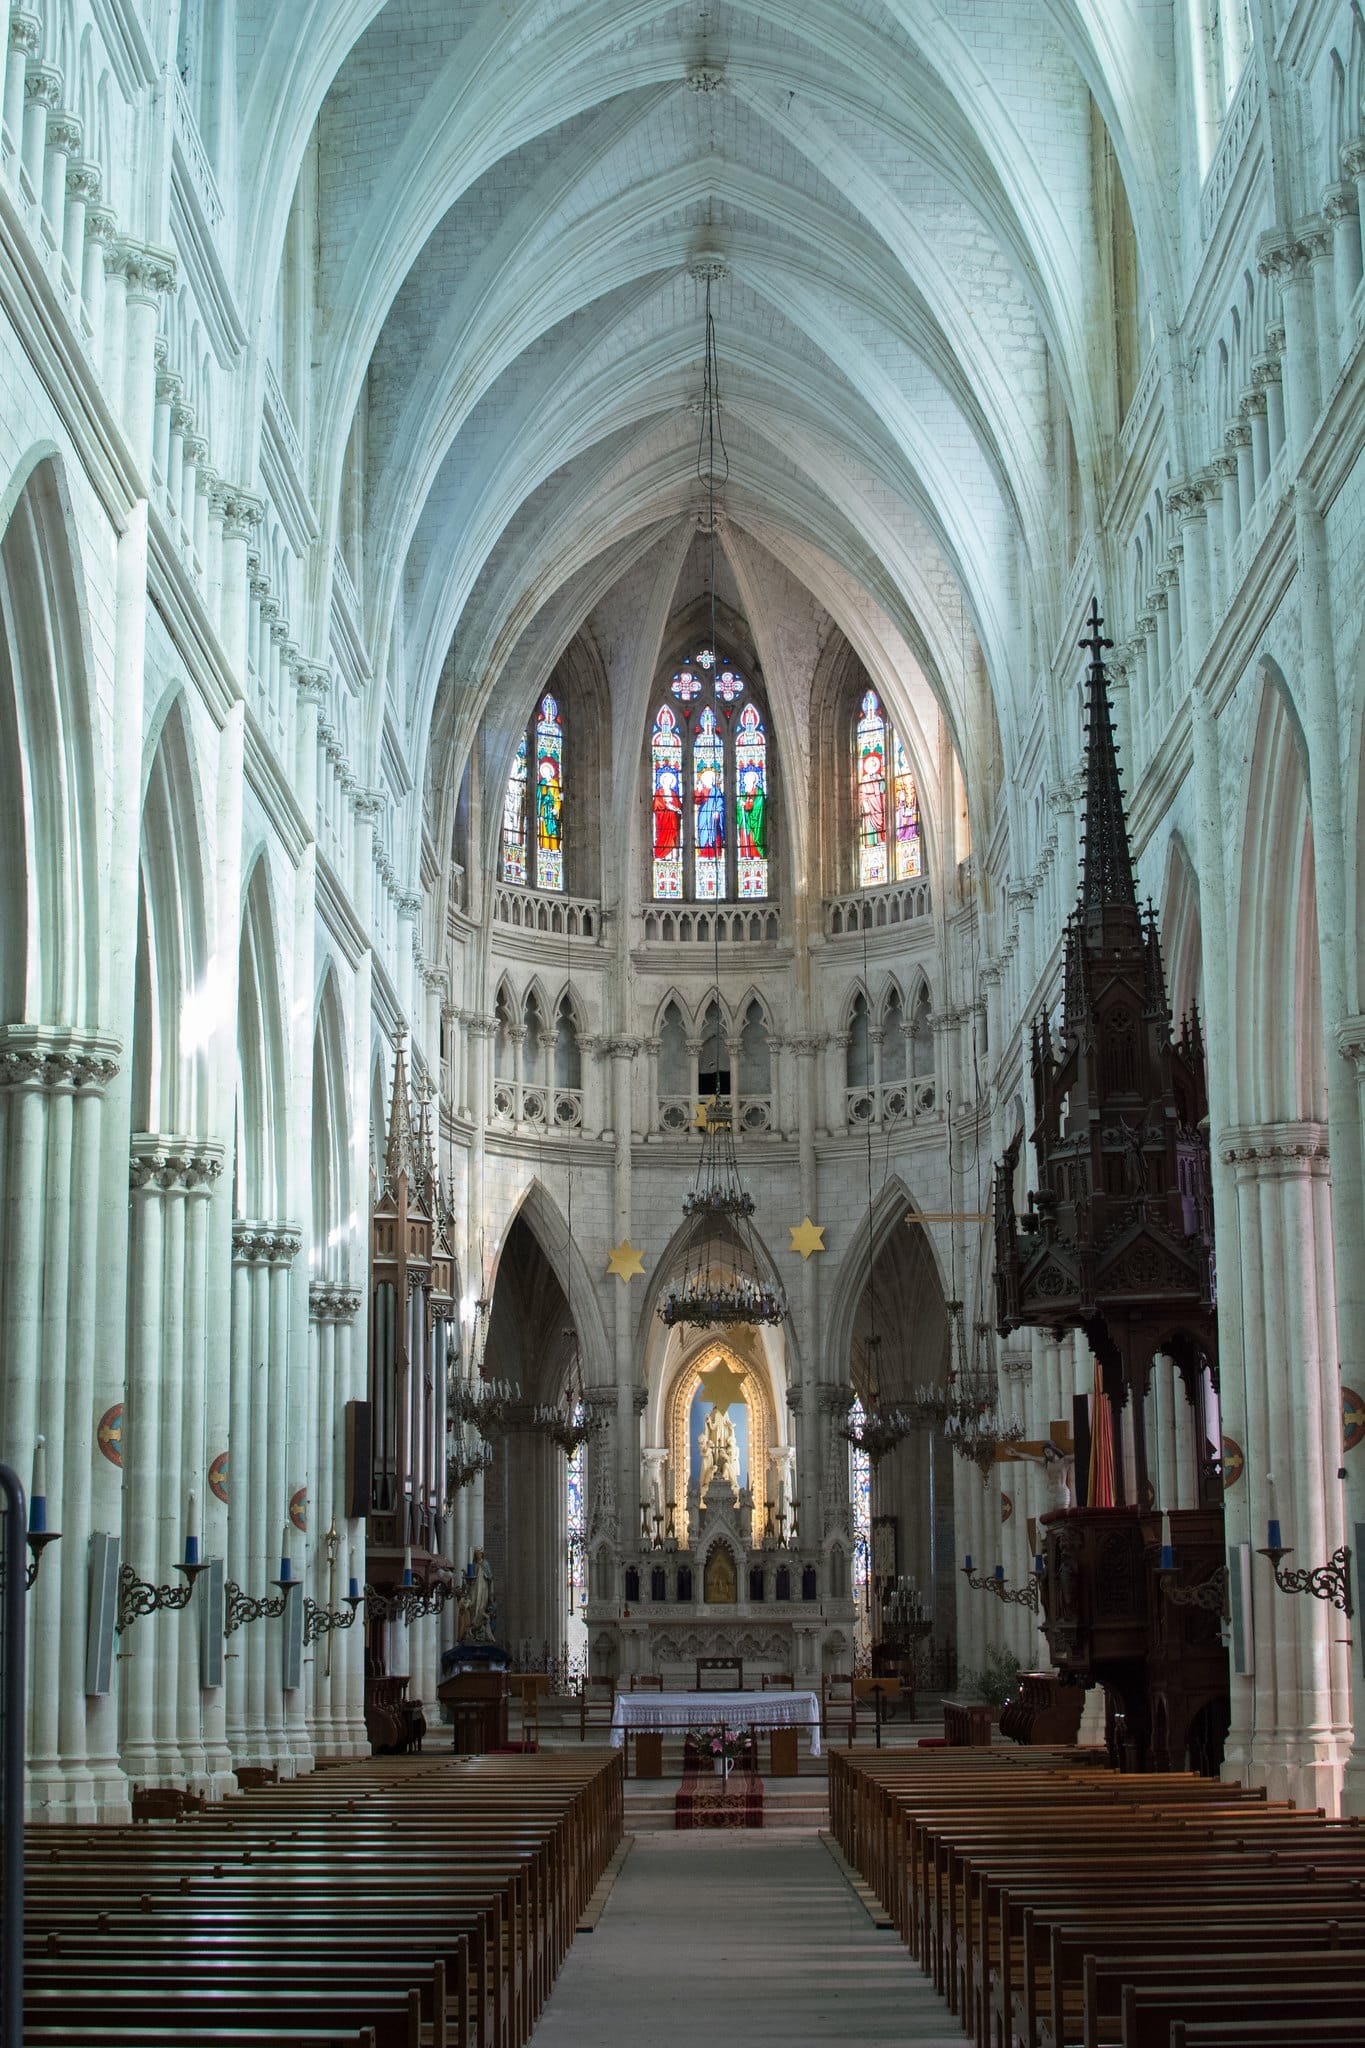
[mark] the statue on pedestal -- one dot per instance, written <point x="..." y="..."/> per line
<point x="719" y="1450"/>
<point x="475" y="1623"/>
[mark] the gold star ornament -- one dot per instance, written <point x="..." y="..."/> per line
<point x="807" y="1237"/>
<point x="721" y="1385"/>
<point x="625" y="1261"/>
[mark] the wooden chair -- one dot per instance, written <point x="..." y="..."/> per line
<point x="777" y="1681"/>
<point x="596" y="1704"/>
<point x="646" y="1681"/>
<point x="529" y="1689"/>
<point x="837" y="1704"/>
<point x="730" y="1670"/>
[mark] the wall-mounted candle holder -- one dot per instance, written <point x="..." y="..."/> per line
<point x="1027" y="1595"/>
<point x="137" y="1597"/>
<point x="38" y="1535"/>
<point x="320" y="1621"/>
<point x="1330" y="1581"/>
<point x="240" y="1609"/>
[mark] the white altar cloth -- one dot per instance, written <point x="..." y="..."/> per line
<point x="657" y="1711"/>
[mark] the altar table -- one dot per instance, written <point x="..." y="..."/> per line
<point x="656" y="1712"/>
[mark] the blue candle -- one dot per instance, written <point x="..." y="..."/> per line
<point x="353" y="1584"/>
<point x="1167" y="1553"/>
<point x="37" y="1493"/>
<point x="286" y="1561"/>
<point x="1037" y="1567"/>
<point x="967" y="1562"/>
<point x="407" y="1566"/>
<point x="1272" y="1541"/>
<point x="192" y="1531"/>
<point x="1000" y="1575"/>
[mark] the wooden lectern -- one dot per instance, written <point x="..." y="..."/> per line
<point x="478" y="1702"/>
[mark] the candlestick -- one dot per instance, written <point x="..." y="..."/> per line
<point x="37" y="1493"/>
<point x="286" y="1559"/>
<point x="1167" y="1553"/>
<point x="192" y="1529"/>
<point x="1272" y="1541"/>
<point x="407" y="1566"/>
<point x="999" y="1574"/>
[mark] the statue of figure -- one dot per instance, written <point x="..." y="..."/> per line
<point x="476" y="1601"/>
<point x="719" y="1451"/>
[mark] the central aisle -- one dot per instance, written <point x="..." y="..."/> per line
<point x="710" y="1940"/>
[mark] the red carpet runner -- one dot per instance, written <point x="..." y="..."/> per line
<point x="706" y="1801"/>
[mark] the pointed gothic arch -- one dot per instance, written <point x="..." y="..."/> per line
<point x="261" y="1186"/>
<point x="334" y="1227"/>
<point x="50" y="831"/>
<point x="179" y="986"/>
<point x="1280" y="1061"/>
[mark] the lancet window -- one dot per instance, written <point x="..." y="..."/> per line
<point x="533" y="803"/>
<point x="885" y="800"/>
<point x="709" y="789"/>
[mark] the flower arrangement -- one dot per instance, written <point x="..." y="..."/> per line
<point x="723" y="1746"/>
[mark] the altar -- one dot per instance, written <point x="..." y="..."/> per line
<point x="659" y="1713"/>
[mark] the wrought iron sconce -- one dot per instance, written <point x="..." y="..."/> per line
<point x="1027" y="1595"/>
<point x="241" y="1608"/>
<point x="1211" y="1594"/>
<point x="137" y="1596"/>
<point x="38" y="1535"/>
<point x="1330" y="1581"/>
<point x="37" y="1540"/>
<point x="320" y="1621"/>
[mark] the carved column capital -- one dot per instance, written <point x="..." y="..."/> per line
<point x="65" y="134"/>
<point x="148" y="272"/>
<point x="42" y="1056"/>
<point x="42" y="86"/>
<point x="174" y="1165"/>
<point x="1269" y="1150"/>
<point x="313" y="680"/>
<point x="241" y="513"/>
<point x="25" y="32"/>
<point x="333" y="1301"/>
<point x="265" y="1244"/>
<point x="84" y="180"/>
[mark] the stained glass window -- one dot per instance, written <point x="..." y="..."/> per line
<point x="861" y="1496"/>
<point x="514" y="819"/>
<point x="549" y="796"/>
<point x="667" y="786"/>
<point x="907" y="819"/>
<point x="751" y="804"/>
<point x="709" y="777"/>
<point x="708" y="802"/>
<point x="534" y="801"/>
<point x="870" y="762"/>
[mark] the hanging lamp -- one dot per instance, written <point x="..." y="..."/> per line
<point x="721" y="1282"/>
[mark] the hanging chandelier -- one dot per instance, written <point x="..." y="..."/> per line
<point x="720" y="1284"/>
<point x="878" y="1430"/>
<point x="569" y="1423"/>
<point x="973" y="1426"/>
<point x="490" y="1406"/>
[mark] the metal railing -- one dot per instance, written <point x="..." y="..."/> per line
<point x="13" y="1574"/>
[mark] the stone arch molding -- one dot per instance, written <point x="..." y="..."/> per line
<point x="51" y="833"/>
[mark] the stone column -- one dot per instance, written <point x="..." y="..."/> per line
<point x="336" y="1681"/>
<point x="1300" y="1734"/>
<point x="622" y="1052"/>
<point x="25" y="41"/>
<point x="1341" y="210"/>
<point x="52" y="1085"/>
<point x="241" y="516"/>
<point x="807" y="1051"/>
<point x="42" y="90"/>
<point x="84" y="183"/>
<point x="172" y="1179"/>
<point x="1253" y="409"/>
<point x="1286" y="257"/>
<point x="147" y="274"/>
<point x="260" y="1452"/>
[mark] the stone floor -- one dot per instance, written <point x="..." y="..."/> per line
<point x="713" y="1940"/>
